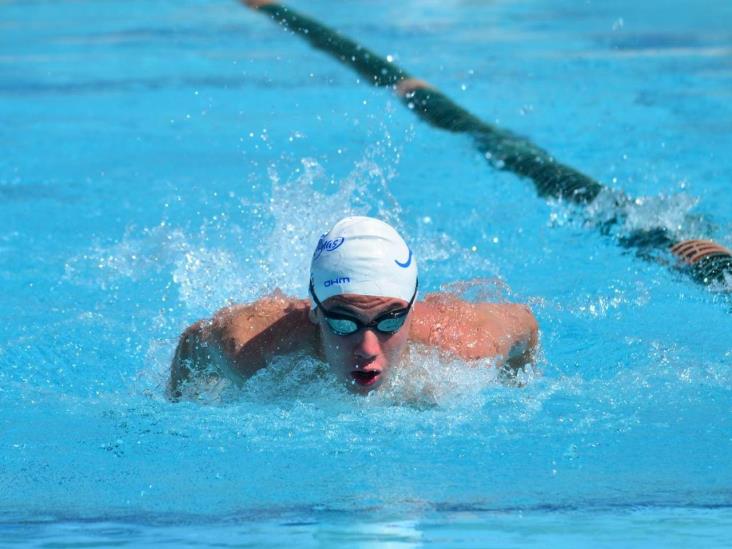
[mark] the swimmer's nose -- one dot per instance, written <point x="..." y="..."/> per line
<point x="368" y="346"/>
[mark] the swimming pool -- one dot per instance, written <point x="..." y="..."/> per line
<point x="160" y="159"/>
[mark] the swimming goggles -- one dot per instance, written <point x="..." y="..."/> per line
<point x="343" y="325"/>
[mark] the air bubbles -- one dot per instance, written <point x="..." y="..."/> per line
<point x="526" y="109"/>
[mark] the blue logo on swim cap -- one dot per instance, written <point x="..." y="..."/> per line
<point x="327" y="245"/>
<point x="408" y="262"/>
<point x="339" y="280"/>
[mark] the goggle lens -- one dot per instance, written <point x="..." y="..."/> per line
<point x="391" y="325"/>
<point x="343" y="326"/>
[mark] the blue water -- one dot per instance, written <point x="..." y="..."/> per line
<point x="161" y="159"/>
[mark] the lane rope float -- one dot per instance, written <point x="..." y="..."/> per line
<point x="705" y="261"/>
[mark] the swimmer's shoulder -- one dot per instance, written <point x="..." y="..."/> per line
<point x="243" y="338"/>
<point x="474" y="330"/>
<point x="250" y="335"/>
<point x="235" y="325"/>
<point x="445" y="307"/>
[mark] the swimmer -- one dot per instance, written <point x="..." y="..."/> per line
<point x="360" y="318"/>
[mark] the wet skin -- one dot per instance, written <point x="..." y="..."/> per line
<point x="362" y="360"/>
<point x="244" y="338"/>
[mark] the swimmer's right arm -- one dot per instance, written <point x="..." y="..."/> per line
<point x="192" y="354"/>
<point x="209" y="348"/>
<point x="241" y="339"/>
<point x="221" y="346"/>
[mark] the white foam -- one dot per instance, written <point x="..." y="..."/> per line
<point x="672" y="212"/>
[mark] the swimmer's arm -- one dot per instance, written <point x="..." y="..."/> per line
<point x="518" y="333"/>
<point x="504" y="331"/>
<point x="194" y="354"/>
<point x="222" y="346"/>
<point x="242" y="339"/>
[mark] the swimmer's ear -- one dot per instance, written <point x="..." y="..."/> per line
<point x="313" y="316"/>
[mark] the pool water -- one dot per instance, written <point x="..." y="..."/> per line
<point x="162" y="159"/>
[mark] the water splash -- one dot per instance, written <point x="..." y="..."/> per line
<point x="623" y="218"/>
<point x="671" y="213"/>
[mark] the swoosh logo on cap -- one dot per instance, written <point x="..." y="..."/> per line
<point x="407" y="263"/>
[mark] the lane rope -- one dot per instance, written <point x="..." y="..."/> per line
<point x="705" y="261"/>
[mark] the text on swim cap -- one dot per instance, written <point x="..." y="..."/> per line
<point x="327" y="245"/>
<point x="339" y="280"/>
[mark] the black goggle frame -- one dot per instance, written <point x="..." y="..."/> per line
<point x="388" y="323"/>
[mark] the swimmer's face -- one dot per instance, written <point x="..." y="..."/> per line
<point x="362" y="360"/>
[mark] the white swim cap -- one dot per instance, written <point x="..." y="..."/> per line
<point x="365" y="256"/>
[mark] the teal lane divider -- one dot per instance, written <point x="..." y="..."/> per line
<point x="707" y="262"/>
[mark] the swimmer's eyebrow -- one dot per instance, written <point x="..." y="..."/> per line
<point x="342" y="309"/>
<point x="347" y="310"/>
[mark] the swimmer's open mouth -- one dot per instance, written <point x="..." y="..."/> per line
<point x="365" y="377"/>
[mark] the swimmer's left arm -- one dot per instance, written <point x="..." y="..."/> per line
<point x="518" y="332"/>
<point x="506" y="331"/>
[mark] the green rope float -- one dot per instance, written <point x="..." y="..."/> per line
<point x="504" y="149"/>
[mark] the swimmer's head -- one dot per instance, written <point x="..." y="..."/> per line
<point x="363" y="282"/>
<point x="364" y="256"/>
